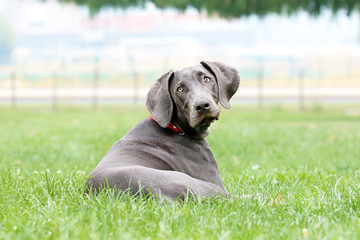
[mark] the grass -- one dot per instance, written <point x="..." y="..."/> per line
<point x="306" y="166"/>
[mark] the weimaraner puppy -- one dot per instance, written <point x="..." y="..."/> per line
<point x="166" y="154"/>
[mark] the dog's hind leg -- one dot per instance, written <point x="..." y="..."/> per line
<point x="172" y="184"/>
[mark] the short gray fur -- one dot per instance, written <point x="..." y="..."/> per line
<point x="161" y="160"/>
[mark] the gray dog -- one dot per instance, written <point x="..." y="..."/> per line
<point x="167" y="154"/>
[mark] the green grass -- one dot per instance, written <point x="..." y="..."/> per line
<point x="305" y="165"/>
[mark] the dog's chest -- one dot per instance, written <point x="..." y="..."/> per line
<point x="181" y="153"/>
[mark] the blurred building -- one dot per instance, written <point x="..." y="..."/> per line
<point x="131" y="48"/>
<point x="49" y="30"/>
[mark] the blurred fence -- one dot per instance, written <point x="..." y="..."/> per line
<point x="301" y="80"/>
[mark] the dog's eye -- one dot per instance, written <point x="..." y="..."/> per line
<point x="180" y="89"/>
<point x="207" y="79"/>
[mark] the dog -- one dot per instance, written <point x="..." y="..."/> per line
<point x="166" y="154"/>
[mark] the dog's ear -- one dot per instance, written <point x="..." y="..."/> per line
<point x="227" y="78"/>
<point x="159" y="101"/>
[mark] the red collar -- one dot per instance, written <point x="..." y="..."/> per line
<point x="170" y="126"/>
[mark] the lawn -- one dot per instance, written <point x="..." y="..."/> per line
<point x="306" y="166"/>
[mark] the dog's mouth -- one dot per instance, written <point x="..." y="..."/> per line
<point x="204" y="121"/>
<point x="207" y="121"/>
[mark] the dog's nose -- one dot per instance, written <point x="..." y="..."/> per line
<point x="202" y="105"/>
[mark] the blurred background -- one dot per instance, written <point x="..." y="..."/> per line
<point x="58" y="52"/>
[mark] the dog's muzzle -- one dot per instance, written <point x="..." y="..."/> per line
<point x="204" y="113"/>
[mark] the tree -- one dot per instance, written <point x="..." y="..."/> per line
<point x="232" y="8"/>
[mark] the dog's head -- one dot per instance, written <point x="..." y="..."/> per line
<point x="189" y="98"/>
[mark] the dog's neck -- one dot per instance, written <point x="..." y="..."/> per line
<point x="183" y="125"/>
<point x="171" y="126"/>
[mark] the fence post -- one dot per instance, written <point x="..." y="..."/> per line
<point x="260" y="83"/>
<point x="136" y="87"/>
<point x="95" y="88"/>
<point x="320" y="77"/>
<point x="349" y="68"/>
<point x="62" y="76"/>
<point x="301" y="91"/>
<point x="13" y="90"/>
<point x="55" y="91"/>
<point x="135" y="77"/>
<point x="166" y="64"/>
